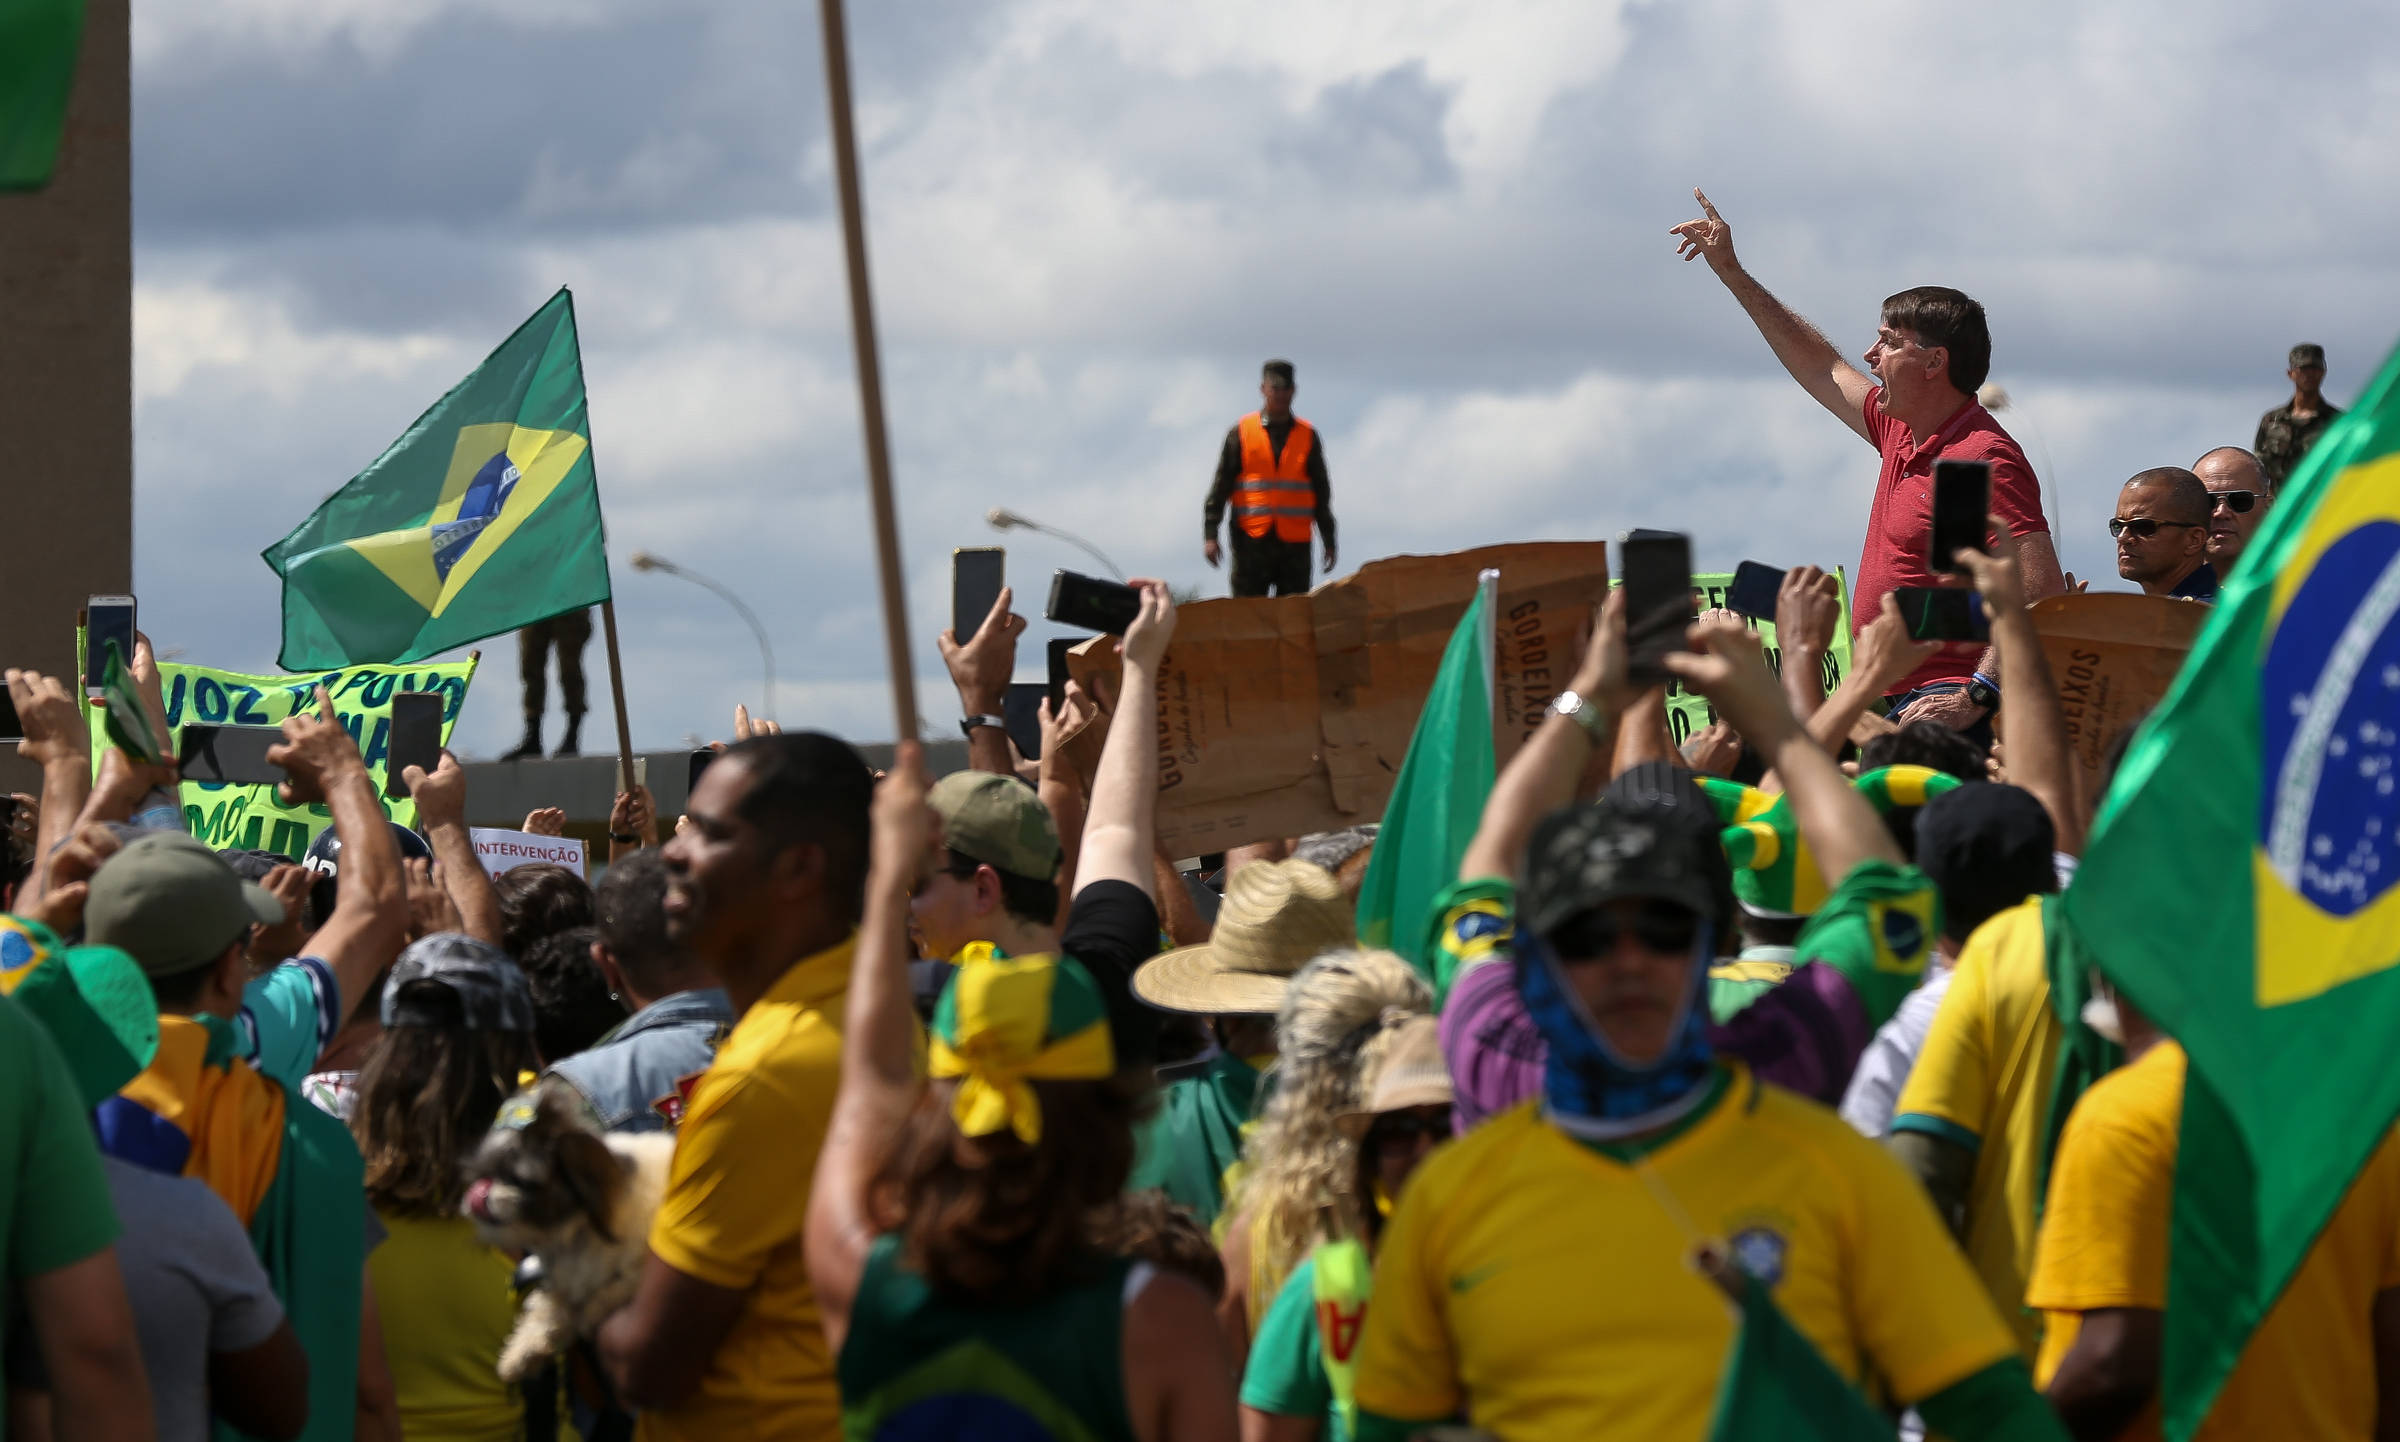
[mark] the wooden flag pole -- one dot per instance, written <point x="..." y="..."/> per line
<point x="870" y="373"/>
<point x="616" y="689"/>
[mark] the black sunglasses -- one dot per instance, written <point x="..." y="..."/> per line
<point x="1398" y="1126"/>
<point x="1658" y="925"/>
<point x="2239" y="502"/>
<point x="2143" y="530"/>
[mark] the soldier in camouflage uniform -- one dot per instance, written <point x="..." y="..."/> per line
<point x="2286" y="432"/>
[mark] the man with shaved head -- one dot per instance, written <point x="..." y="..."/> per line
<point x="2161" y="530"/>
<point x="2238" y="494"/>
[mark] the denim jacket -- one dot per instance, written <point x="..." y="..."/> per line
<point x="638" y="1075"/>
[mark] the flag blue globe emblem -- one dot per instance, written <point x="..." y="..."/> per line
<point x="2329" y="693"/>
<point x="481" y="505"/>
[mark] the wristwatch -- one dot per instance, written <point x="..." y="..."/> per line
<point x="1984" y="691"/>
<point x="1583" y="712"/>
<point x="625" y="838"/>
<point x="967" y="727"/>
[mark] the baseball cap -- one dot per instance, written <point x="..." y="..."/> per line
<point x="1625" y="848"/>
<point x="997" y="820"/>
<point x="1985" y="849"/>
<point x="93" y="1000"/>
<point x="1277" y="917"/>
<point x="324" y="862"/>
<point x="173" y="904"/>
<point x="489" y="988"/>
<point x="2306" y="354"/>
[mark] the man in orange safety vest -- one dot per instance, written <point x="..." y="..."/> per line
<point x="1272" y="470"/>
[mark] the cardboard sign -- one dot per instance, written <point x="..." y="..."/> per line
<point x="2114" y="657"/>
<point x="502" y="851"/>
<point x="1287" y="715"/>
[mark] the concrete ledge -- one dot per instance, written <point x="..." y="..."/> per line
<point x="500" y="793"/>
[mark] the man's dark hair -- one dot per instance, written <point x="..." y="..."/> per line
<point x="537" y="901"/>
<point x="1926" y="743"/>
<point x="811" y="789"/>
<point x="1022" y="897"/>
<point x="2187" y="499"/>
<point x="631" y="904"/>
<point x="1951" y="319"/>
<point x="1277" y="370"/>
<point x="572" y="1007"/>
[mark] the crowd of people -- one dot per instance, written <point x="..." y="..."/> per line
<point x="894" y="1107"/>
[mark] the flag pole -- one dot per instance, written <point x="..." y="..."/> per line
<point x="870" y="373"/>
<point x="616" y="690"/>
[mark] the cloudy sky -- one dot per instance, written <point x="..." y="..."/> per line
<point x="1091" y="219"/>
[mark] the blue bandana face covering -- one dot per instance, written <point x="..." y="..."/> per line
<point x="1589" y="1089"/>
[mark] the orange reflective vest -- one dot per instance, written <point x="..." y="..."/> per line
<point x="1274" y="491"/>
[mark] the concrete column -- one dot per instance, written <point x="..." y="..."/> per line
<point x="66" y="372"/>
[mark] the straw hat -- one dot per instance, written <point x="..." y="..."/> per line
<point x="1413" y="1074"/>
<point x="1277" y="916"/>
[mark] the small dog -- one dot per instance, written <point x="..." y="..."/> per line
<point x="546" y="1182"/>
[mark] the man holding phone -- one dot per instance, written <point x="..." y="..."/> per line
<point x="1272" y="469"/>
<point x="1931" y="351"/>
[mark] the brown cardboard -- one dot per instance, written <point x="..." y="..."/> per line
<point x="1283" y="716"/>
<point x="2114" y="657"/>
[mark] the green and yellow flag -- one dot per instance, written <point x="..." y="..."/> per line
<point x="482" y="518"/>
<point x="38" y="41"/>
<point x="2243" y="887"/>
<point x="1778" y="1386"/>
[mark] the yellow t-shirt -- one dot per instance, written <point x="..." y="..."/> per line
<point x="1546" y="1290"/>
<point x="736" y="1202"/>
<point x="1983" y="1080"/>
<point x="446" y="1305"/>
<point x="2309" y="1369"/>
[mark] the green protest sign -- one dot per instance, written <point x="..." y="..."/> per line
<point x="227" y="815"/>
<point x="1687" y="713"/>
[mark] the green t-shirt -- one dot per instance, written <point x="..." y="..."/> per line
<point x="1196" y="1134"/>
<point x="1286" y="1371"/>
<point x="54" y="1207"/>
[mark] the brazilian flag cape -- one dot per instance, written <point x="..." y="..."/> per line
<point x="2243" y="888"/>
<point x="483" y="518"/>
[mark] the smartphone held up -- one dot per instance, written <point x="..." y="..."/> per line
<point x="1655" y="567"/>
<point x="1962" y="503"/>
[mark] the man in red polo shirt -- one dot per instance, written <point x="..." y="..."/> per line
<point x="1931" y="352"/>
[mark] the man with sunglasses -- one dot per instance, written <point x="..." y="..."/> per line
<point x="2161" y="529"/>
<point x="1537" y="1274"/>
<point x="2238" y="496"/>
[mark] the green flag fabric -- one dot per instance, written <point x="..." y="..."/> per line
<point x="38" y="41"/>
<point x="1438" y="800"/>
<point x="482" y="518"/>
<point x="2240" y="887"/>
<point x="1778" y="1387"/>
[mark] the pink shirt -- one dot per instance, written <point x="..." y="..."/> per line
<point x="1900" y="527"/>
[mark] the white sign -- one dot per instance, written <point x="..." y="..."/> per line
<point x="507" y="850"/>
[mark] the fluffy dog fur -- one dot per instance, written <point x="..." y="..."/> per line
<point x="546" y="1183"/>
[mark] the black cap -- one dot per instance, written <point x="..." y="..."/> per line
<point x="1277" y="370"/>
<point x="487" y="991"/>
<point x="2307" y="354"/>
<point x="1985" y="848"/>
<point x="1658" y="845"/>
<point x="324" y="862"/>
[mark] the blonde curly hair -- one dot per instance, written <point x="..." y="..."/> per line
<point x="1298" y="1179"/>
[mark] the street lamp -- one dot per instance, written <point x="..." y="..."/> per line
<point x="649" y="561"/>
<point x="1004" y="519"/>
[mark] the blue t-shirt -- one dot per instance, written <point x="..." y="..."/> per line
<point x="288" y="1017"/>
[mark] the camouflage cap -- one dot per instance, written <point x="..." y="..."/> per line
<point x="2308" y="354"/>
<point x="999" y="821"/>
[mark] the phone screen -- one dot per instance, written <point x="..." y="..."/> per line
<point x="416" y="738"/>
<point x="1962" y="498"/>
<point x="1059" y="647"/>
<point x="1091" y="603"/>
<point x="1754" y="591"/>
<point x="106" y="619"/>
<point x="11" y="729"/>
<point x="236" y="754"/>
<point x="1021" y="710"/>
<point x="1657" y="572"/>
<point x="976" y="575"/>
<point x="1942" y="615"/>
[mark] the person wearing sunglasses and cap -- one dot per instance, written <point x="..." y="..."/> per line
<point x="2161" y="529"/>
<point x="1300" y="1383"/>
<point x="2238" y="494"/>
<point x="1537" y="1275"/>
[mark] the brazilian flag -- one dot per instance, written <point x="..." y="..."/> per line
<point x="482" y="518"/>
<point x="2243" y="887"/>
<point x="38" y="41"/>
<point x="1778" y="1386"/>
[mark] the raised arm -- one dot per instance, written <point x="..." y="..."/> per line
<point x="1120" y="829"/>
<point x="1061" y="787"/>
<point x="441" y="798"/>
<point x="879" y="1082"/>
<point x="2038" y="757"/>
<point x="1883" y="655"/>
<point x="1805" y="352"/>
<point x="1542" y="776"/>
<point x="981" y="667"/>
<point x="1807" y="610"/>
<point x="56" y="740"/>
<point x="370" y="914"/>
